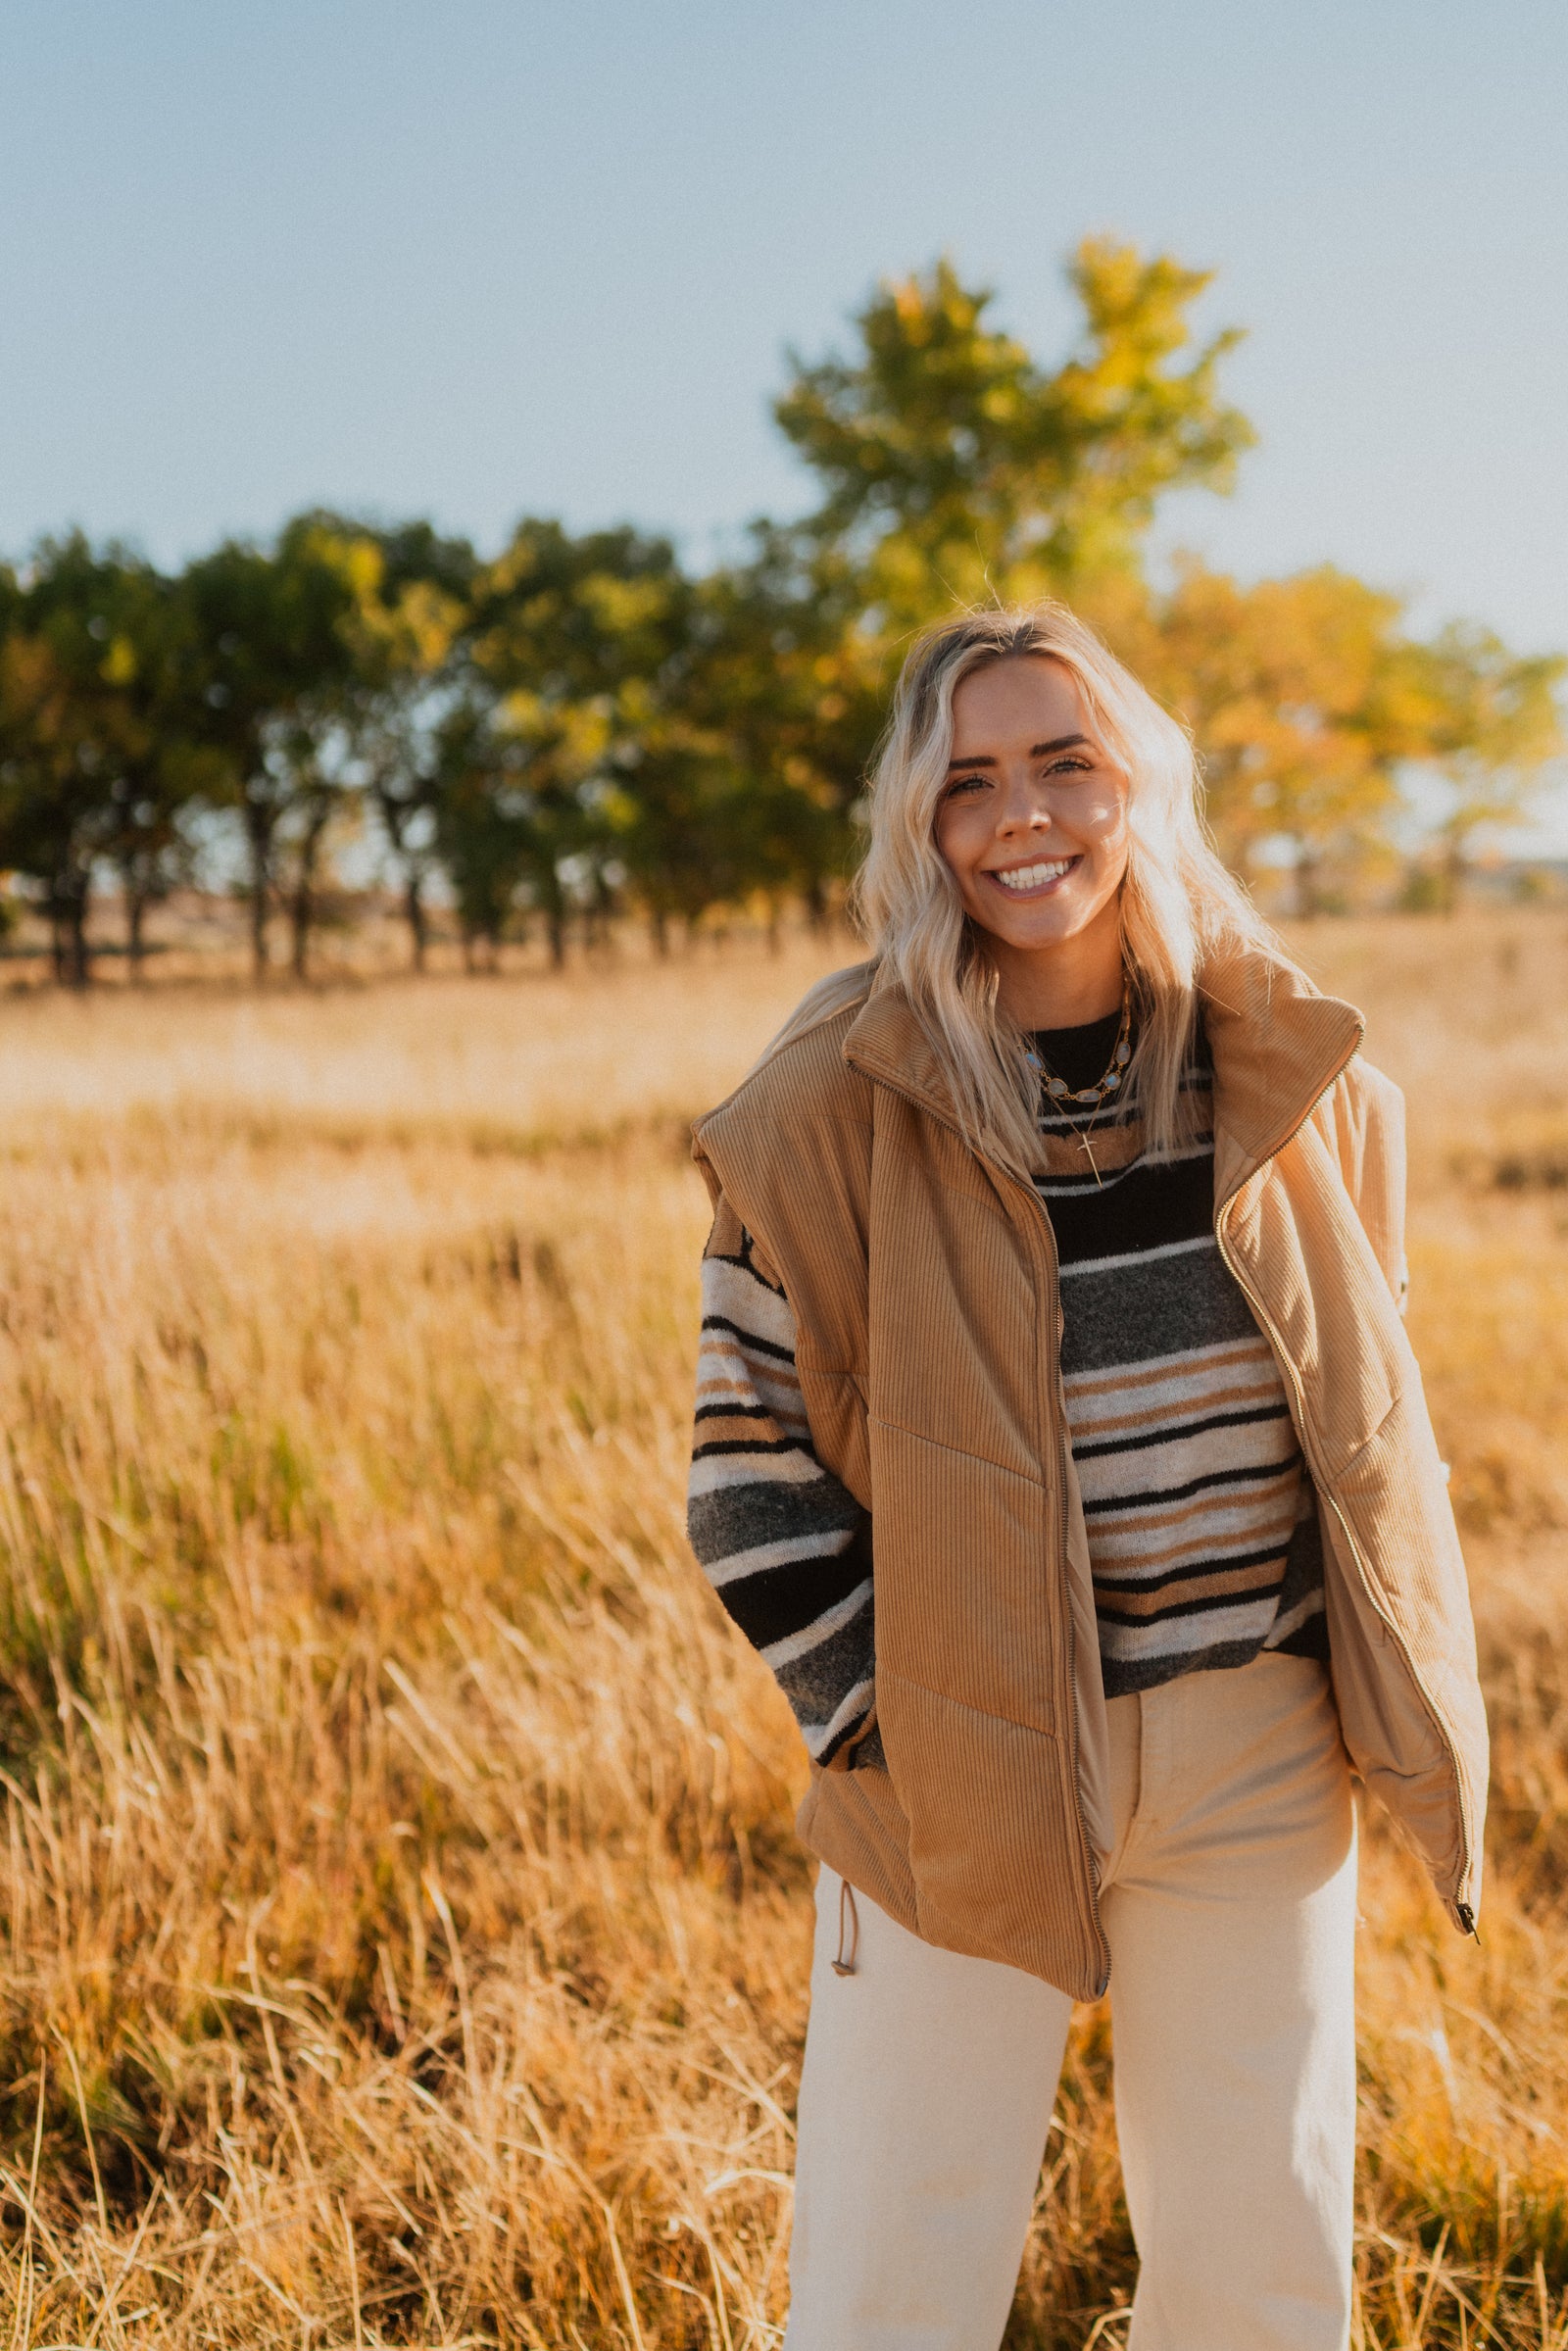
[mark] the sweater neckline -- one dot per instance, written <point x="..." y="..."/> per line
<point x="1079" y="1055"/>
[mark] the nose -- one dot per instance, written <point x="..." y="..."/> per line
<point x="1022" y="808"/>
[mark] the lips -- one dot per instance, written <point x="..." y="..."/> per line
<point x="1021" y="881"/>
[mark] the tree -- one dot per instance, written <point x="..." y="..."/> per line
<point x="1496" y="724"/>
<point x="93" y="768"/>
<point x="486" y="826"/>
<point x="51" y="799"/>
<point x="160" y="769"/>
<point x="409" y="635"/>
<point x="271" y="650"/>
<point x="312" y="758"/>
<point x="954" y="467"/>
<point x="1305" y="699"/>
<point x="792" y="688"/>
<point x="581" y="649"/>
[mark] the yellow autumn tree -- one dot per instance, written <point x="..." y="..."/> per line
<point x="1305" y="698"/>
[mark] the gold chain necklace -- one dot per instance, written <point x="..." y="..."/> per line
<point x="1092" y="1098"/>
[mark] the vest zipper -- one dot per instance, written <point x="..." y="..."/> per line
<point x="1086" y="1847"/>
<point x="1464" y="1915"/>
<point x="1036" y="1208"/>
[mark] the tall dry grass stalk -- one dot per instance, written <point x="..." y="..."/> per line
<point x="405" y="1941"/>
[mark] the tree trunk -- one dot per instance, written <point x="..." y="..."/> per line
<point x="1454" y="873"/>
<point x="259" y="827"/>
<point x="300" y="913"/>
<point x="66" y="908"/>
<point x="605" y="906"/>
<point x="556" y="925"/>
<point x="135" y="943"/>
<point x="78" y="965"/>
<point x="396" y="819"/>
<point x="260" y="908"/>
<point x="658" y="924"/>
<point x="415" y="914"/>
<point x="302" y="908"/>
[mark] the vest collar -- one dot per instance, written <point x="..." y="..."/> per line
<point x="1277" y="1042"/>
<point x="1277" y="1046"/>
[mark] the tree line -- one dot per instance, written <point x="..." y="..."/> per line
<point x="582" y="726"/>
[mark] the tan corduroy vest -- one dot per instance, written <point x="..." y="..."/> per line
<point x="923" y="1282"/>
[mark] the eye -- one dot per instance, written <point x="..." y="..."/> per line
<point x="964" y="784"/>
<point x="1070" y="763"/>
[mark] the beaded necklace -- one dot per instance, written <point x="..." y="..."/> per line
<point x="1092" y="1098"/>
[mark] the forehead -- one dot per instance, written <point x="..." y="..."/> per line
<point x="1022" y="696"/>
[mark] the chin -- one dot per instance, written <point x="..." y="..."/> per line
<point x="1040" y="928"/>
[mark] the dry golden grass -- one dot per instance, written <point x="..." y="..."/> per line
<point x="405" y="1941"/>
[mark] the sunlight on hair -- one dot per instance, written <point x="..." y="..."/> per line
<point x="1181" y="910"/>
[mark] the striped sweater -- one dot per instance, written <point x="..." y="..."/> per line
<point x="1202" y="1526"/>
<point x="785" y="1545"/>
<point x="1203" y="1534"/>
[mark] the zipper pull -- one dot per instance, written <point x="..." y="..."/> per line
<point x="1467" y="1921"/>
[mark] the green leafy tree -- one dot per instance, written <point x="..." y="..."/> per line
<point x="794" y="690"/>
<point x="580" y="646"/>
<point x="52" y="800"/>
<point x="488" y="810"/>
<point x="94" y="768"/>
<point x="271" y="660"/>
<point x="954" y="467"/>
<point x="161" y="772"/>
<point x="312" y="759"/>
<point x="410" y="642"/>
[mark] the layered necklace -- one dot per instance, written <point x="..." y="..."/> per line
<point x="1092" y="1099"/>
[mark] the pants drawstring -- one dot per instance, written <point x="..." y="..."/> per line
<point x="841" y="1965"/>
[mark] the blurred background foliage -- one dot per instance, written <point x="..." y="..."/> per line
<point x="583" y="727"/>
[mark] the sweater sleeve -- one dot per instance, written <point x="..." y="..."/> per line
<point x="785" y="1545"/>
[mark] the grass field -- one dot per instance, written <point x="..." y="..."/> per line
<point x="403" y="1936"/>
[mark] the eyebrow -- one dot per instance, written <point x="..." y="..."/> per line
<point x="1036" y="750"/>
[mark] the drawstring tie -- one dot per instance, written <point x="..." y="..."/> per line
<point x="841" y="1965"/>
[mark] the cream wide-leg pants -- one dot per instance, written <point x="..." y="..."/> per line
<point x="1229" y="1904"/>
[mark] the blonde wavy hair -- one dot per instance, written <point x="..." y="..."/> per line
<point x="1179" y="906"/>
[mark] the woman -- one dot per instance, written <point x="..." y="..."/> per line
<point x="1060" y="1446"/>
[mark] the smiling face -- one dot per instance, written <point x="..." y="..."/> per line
<point x="1033" y="826"/>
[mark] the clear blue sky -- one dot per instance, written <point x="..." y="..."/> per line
<point x="482" y="257"/>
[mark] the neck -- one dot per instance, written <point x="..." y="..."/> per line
<point x="1065" y="984"/>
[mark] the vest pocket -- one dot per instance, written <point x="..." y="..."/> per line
<point x="996" y="1852"/>
<point x="969" y="1605"/>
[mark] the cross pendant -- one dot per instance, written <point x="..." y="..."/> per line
<point x="1090" y="1157"/>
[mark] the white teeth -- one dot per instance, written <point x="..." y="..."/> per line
<point x="1030" y="878"/>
